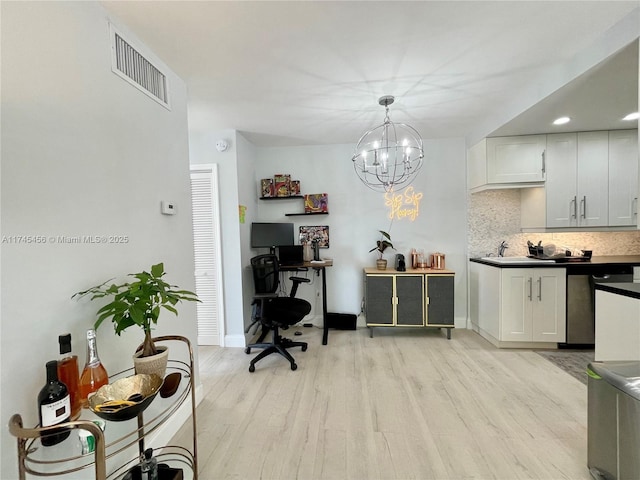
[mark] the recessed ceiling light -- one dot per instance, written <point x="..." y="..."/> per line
<point x="561" y="120"/>
<point x="632" y="116"/>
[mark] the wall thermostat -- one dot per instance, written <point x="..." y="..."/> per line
<point x="168" y="208"/>
<point x="222" y="145"/>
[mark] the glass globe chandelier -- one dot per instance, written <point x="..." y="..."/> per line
<point x="389" y="155"/>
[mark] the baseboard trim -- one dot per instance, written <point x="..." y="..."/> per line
<point x="234" y="341"/>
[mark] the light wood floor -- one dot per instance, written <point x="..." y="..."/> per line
<point x="406" y="404"/>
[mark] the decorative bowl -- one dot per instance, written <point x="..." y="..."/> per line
<point x="124" y="399"/>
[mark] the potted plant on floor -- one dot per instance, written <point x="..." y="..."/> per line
<point x="139" y="303"/>
<point x="381" y="246"/>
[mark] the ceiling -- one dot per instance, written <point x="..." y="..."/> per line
<point x="596" y="100"/>
<point x="311" y="72"/>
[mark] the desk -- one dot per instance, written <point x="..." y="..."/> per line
<point x="319" y="267"/>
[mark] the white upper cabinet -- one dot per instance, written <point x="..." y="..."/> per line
<point x="561" y="185"/>
<point x="590" y="179"/>
<point x="623" y="177"/>
<point x="516" y="159"/>
<point x="577" y="186"/>
<point x="506" y="162"/>
<point x="593" y="179"/>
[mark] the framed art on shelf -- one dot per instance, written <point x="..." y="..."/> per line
<point x="320" y="233"/>
<point x="316" y="203"/>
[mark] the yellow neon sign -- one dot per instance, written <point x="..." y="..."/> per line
<point x="403" y="205"/>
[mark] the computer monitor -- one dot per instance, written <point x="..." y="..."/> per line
<point x="271" y="235"/>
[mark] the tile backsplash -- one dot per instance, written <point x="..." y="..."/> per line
<point x="494" y="215"/>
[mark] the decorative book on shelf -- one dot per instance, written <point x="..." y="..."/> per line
<point x="281" y="185"/>
<point x="266" y="187"/>
<point x="316" y="203"/>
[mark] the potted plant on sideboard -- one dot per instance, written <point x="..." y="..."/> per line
<point x="139" y="303"/>
<point x="381" y="246"/>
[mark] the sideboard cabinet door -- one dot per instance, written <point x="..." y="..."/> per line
<point x="440" y="298"/>
<point x="410" y="300"/>
<point x="379" y="299"/>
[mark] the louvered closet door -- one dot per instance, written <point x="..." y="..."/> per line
<point x="206" y="239"/>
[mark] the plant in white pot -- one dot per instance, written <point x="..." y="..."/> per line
<point x="139" y="303"/>
<point x="381" y="246"/>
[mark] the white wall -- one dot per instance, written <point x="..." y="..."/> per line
<point x="356" y="213"/>
<point x="231" y="172"/>
<point x="83" y="153"/>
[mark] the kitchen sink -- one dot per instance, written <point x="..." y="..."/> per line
<point x="515" y="260"/>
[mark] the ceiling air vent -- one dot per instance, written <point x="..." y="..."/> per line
<point x="128" y="63"/>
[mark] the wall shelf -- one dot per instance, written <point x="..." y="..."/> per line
<point x="281" y="198"/>
<point x="302" y="214"/>
<point x="294" y="214"/>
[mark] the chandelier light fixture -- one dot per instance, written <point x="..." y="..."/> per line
<point x="389" y="155"/>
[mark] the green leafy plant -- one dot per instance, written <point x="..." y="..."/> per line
<point x="383" y="243"/>
<point x="138" y="302"/>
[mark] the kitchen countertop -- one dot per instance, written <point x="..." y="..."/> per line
<point x="632" y="260"/>
<point x="625" y="289"/>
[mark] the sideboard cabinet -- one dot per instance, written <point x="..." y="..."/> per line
<point x="414" y="298"/>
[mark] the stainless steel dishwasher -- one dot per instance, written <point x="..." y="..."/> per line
<point x="581" y="319"/>
<point x="613" y="420"/>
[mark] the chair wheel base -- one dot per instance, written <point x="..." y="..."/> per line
<point x="252" y="368"/>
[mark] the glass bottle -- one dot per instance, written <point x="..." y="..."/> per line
<point x="148" y="465"/>
<point x="94" y="375"/>
<point x="68" y="373"/>
<point x="54" y="406"/>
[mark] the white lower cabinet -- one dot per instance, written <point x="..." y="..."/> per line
<point x="511" y="306"/>
<point x="533" y="304"/>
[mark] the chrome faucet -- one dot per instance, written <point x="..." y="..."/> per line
<point x="503" y="246"/>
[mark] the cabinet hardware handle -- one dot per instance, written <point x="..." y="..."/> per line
<point x="575" y="207"/>
<point x="544" y="162"/>
<point x="540" y="288"/>
<point x="530" y="289"/>
<point x="634" y="206"/>
<point x="583" y="207"/>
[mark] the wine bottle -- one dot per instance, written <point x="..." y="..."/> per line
<point x="54" y="406"/>
<point x="68" y="373"/>
<point x="94" y="375"/>
<point x="148" y="465"/>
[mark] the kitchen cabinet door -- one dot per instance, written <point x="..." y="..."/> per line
<point x="577" y="184"/>
<point x="533" y="305"/>
<point x="593" y="179"/>
<point x="518" y="159"/>
<point x="516" y="305"/>
<point x="548" y="322"/>
<point x="623" y="177"/>
<point x="561" y="184"/>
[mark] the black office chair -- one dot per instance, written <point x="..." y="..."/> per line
<point x="274" y="312"/>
